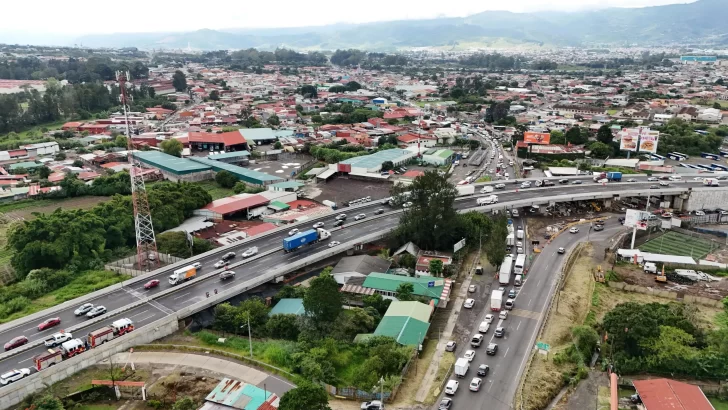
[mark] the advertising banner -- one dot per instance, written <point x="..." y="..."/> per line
<point x="627" y="140"/>
<point x="636" y="218"/>
<point x="648" y="140"/>
<point x="530" y="137"/>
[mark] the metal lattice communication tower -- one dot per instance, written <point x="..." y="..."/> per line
<point x="147" y="256"/>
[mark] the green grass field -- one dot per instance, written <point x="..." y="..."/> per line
<point x="215" y="190"/>
<point x="718" y="403"/>
<point x="673" y="243"/>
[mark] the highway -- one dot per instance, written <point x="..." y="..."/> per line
<point x="521" y="326"/>
<point x="189" y="293"/>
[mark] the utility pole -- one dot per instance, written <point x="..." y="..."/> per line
<point x="250" y="338"/>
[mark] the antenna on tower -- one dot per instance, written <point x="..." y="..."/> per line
<point x="145" y="239"/>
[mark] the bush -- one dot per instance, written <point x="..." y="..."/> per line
<point x="226" y="179"/>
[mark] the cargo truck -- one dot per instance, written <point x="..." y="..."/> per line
<point x="496" y="300"/>
<point x="462" y="365"/>
<point x="711" y="182"/>
<point x="511" y="240"/>
<point x="504" y="274"/>
<point x="296" y="241"/>
<point x="611" y="176"/>
<point x="519" y="234"/>
<point x="465" y="189"/>
<point x="182" y="274"/>
<point x="488" y="200"/>
<point x="118" y="328"/>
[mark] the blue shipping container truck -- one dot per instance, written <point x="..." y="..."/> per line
<point x="614" y="176"/>
<point x="304" y="238"/>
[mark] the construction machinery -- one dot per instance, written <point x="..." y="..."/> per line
<point x="660" y="277"/>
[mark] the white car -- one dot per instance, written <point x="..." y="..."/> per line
<point x="503" y="315"/>
<point x="471" y="289"/>
<point x="219" y="264"/>
<point x="664" y="183"/>
<point x="488" y="318"/>
<point x="83" y="309"/>
<point x="699" y="213"/>
<point x="451" y="387"/>
<point x="360" y="217"/>
<point x="334" y="243"/>
<point x="574" y="230"/>
<point x="250" y="252"/>
<point x="13" y="375"/>
<point x="97" y="311"/>
<point x="318" y="225"/>
<point x="603" y="181"/>
<point x="406" y="204"/>
<point x="468" y="304"/>
<point x="293" y="232"/>
<point x="631" y="180"/>
<point x="470" y="355"/>
<point x="475" y="384"/>
<point x="652" y="179"/>
<point x="500" y="186"/>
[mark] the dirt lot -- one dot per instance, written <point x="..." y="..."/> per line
<point x="341" y="190"/>
<point x="633" y="275"/>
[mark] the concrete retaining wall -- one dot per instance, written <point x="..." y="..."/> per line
<point x="709" y="198"/>
<point x="16" y="392"/>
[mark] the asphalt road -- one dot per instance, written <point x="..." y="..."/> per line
<point x="499" y="386"/>
<point x="192" y="293"/>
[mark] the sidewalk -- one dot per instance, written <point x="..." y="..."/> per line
<point x="427" y="381"/>
<point x="225" y="368"/>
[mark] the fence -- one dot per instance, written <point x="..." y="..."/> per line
<point x="126" y="265"/>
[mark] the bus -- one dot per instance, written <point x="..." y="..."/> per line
<point x="499" y="127"/>
<point x="504" y="274"/>
<point x="520" y="264"/>
<point x="724" y="154"/>
<point x="710" y="156"/>
<point x="705" y="167"/>
<point x="718" y="167"/>
<point x="677" y="156"/>
<point x="656" y="157"/>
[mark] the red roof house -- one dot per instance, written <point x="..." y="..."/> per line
<point x="666" y="394"/>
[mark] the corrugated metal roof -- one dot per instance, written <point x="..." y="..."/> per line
<point x="286" y="184"/>
<point x="288" y="307"/>
<point x="404" y="329"/>
<point x="231" y="154"/>
<point x="170" y="163"/>
<point x="666" y="394"/>
<point x="232" y="204"/>
<point x="386" y="282"/>
<point x="416" y="310"/>
<point x="244" y="174"/>
<point x="258" y="133"/>
<point x="278" y="205"/>
<point x="239" y="395"/>
<point x="371" y="161"/>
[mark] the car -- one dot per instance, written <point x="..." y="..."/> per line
<point x="477" y="340"/>
<point x="664" y="183"/>
<point x="492" y="349"/>
<point x="360" y="217"/>
<point x="475" y="384"/>
<point x="631" y="180"/>
<point x="563" y="181"/>
<point x="293" y="232"/>
<point x="13" y="376"/>
<point x="445" y="404"/>
<point x="227" y="274"/>
<point x="654" y="187"/>
<point x="488" y="318"/>
<point x="515" y="213"/>
<point x="83" y="309"/>
<point x="406" y="205"/>
<point x="519" y="250"/>
<point x="471" y="289"/>
<point x="470" y="355"/>
<point x="574" y="230"/>
<point x="503" y="315"/>
<point x="379" y="211"/>
<point x="451" y="387"/>
<point x="499" y="331"/>
<point x="219" y="264"/>
<point x="512" y="293"/>
<point x="250" y="252"/>
<point x="483" y="370"/>
<point x="469" y="303"/>
<point x="48" y="323"/>
<point x="334" y="243"/>
<point x="651" y="179"/>
<point x="699" y="179"/>
<point x="228" y="256"/>
<point x="318" y="225"/>
<point x="666" y="215"/>
<point x="151" y="284"/>
<point x="602" y="181"/>
<point x="561" y="251"/>
<point x="451" y="346"/>
<point x="15" y="342"/>
<point x="576" y="182"/>
<point x="500" y="186"/>
<point x="339" y="223"/>
<point x="699" y="213"/>
<point x="372" y="405"/>
<point x="341" y="217"/>
<point x="96" y="311"/>
<point x="598" y="227"/>
<point x="526" y="185"/>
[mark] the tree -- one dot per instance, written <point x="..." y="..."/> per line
<point x="278" y="145"/>
<point x="179" y="81"/>
<point x="323" y="299"/>
<point x="436" y="266"/>
<point x="717" y="106"/>
<point x="226" y="179"/>
<point x="307" y="395"/>
<point x="274" y="120"/>
<point x="387" y="165"/>
<point x="185" y="403"/>
<point x="44" y="172"/>
<point x="405" y="292"/>
<point x="407" y="260"/>
<point x="215" y="95"/>
<point x="283" y="327"/>
<point x="604" y="134"/>
<point x="77" y="163"/>
<point x="494" y="248"/>
<point x="574" y="136"/>
<point x="60" y="156"/>
<point x="353" y="86"/>
<point x="309" y="91"/>
<point x="177" y="244"/>
<point x="120" y="141"/>
<point x="671" y="348"/>
<point x="600" y="150"/>
<point x="377" y="302"/>
<point x="47" y="402"/>
<point x="172" y="146"/>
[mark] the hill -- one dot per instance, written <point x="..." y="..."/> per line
<point x="701" y="22"/>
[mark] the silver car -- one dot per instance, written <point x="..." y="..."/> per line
<point x="97" y="311"/>
<point x="83" y="309"/>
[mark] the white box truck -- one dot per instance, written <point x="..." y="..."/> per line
<point x="461" y="367"/>
<point x="486" y="189"/>
<point x="182" y="274"/>
<point x="504" y="274"/>
<point x="465" y="189"/>
<point x="519" y="234"/>
<point x="496" y="300"/>
<point x="487" y="200"/>
<point x="510" y="240"/>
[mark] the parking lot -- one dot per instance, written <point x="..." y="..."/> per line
<point x="342" y="190"/>
<point x="283" y="166"/>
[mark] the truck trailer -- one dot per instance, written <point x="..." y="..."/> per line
<point x="504" y="274"/>
<point x="182" y="274"/>
<point x="465" y="189"/>
<point x="308" y="237"/>
<point x="496" y="300"/>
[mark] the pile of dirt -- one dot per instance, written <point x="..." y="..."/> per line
<point x="171" y="387"/>
<point x="634" y="275"/>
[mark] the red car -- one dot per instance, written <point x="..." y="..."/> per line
<point x="151" y="284"/>
<point x="54" y="321"/>
<point x="16" y="342"/>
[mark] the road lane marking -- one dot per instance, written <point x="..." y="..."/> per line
<point x="32" y="328"/>
<point x="148" y="317"/>
<point x="182" y="295"/>
<point x="140" y="313"/>
<point x="519" y="325"/>
<point x="529" y="301"/>
<point x="30" y="358"/>
<point x="504" y="356"/>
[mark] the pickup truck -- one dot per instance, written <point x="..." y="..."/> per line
<point x="57" y="338"/>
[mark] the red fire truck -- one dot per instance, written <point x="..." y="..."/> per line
<point x="103" y="335"/>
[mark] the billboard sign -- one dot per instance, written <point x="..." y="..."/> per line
<point x="627" y="140"/>
<point x="530" y="137"/>
<point x="635" y="218"/>
<point x="640" y="139"/>
<point x="459" y="245"/>
<point x="648" y="140"/>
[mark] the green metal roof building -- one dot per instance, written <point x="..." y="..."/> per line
<point x="373" y="162"/>
<point x="406" y="322"/>
<point x="246" y="175"/>
<point x="229" y="155"/>
<point x="288" y="307"/>
<point x="386" y="285"/>
<point x="438" y="157"/>
<point x="25" y="165"/>
<point x="173" y="168"/>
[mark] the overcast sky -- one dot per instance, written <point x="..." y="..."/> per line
<point x="92" y="16"/>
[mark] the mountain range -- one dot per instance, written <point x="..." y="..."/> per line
<point x="698" y="23"/>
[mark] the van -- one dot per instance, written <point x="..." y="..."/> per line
<point x="510" y="303"/>
<point x="650" y="267"/>
<point x="675" y="178"/>
<point x="484" y="326"/>
<point x="518" y="280"/>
